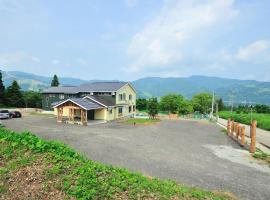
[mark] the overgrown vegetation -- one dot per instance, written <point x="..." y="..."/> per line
<point x="51" y="169"/>
<point x="263" y="120"/>
<point x="262" y="156"/>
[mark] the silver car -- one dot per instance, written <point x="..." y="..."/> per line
<point x="4" y="114"/>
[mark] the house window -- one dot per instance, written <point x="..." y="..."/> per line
<point x="130" y="97"/>
<point x="134" y="108"/>
<point x="51" y="95"/>
<point x="120" y="97"/>
<point x="61" y="96"/>
<point x="47" y="101"/>
<point x="120" y="110"/>
<point x="110" y="110"/>
<point x="130" y="109"/>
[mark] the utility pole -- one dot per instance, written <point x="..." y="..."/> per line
<point x="212" y="110"/>
<point x="217" y="111"/>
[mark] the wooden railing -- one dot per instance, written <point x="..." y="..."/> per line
<point x="237" y="132"/>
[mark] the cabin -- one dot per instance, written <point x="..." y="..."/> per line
<point x="103" y="101"/>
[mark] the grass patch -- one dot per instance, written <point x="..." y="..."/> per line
<point x="141" y="121"/>
<point x="262" y="156"/>
<point x="263" y="120"/>
<point x="34" y="168"/>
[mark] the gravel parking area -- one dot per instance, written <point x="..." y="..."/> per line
<point x="195" y="153"/>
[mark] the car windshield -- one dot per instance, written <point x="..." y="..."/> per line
<point x="3" y="111"/>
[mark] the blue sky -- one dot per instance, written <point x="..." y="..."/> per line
<point x="131" y="39"/>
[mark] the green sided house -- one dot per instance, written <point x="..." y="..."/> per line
<point x="92" y="101"/>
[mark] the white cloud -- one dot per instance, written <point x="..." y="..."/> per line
<point x="258" y="52"/>
<point x="55" y="62"/>
<point x="162" y="40"/>
<point x="35" y="59"/>
<point x="82" y="61"/>
<point x="131" y="3"/>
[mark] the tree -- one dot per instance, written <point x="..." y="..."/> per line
<point x="32" y="99"/>
<point x="171" y="102"/>
<point x="152" y="107"/>
<point x="220" y="104"/>
<point x="14" y="95"/>
<point x="141" y="104"/>
<point x="186" y="107"/>
<point x="202" y="102"/>
<point x="55" y="82"/>
<point x="2" y="90"/>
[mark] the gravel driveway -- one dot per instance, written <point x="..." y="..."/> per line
<point x="195" y="153"/>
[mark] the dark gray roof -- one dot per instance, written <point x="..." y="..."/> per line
<point x="105" y="100"/>
<point x="87" y="87"/>
<point x="84" y="103"/>
<point x="61" y="89"/>
<point x="101" y="86"/>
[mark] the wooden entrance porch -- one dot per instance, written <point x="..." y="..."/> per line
<point x="70" y="112"/>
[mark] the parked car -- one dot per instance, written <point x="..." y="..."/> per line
<point x="15" y="114"/>
<point x="4" y="114"/>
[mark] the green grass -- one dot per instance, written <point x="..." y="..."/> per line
<point x="141" y="121"/>
<point x="262" y="156"/>
<point x="80" y="178"/>
<point x="263" y="120"/>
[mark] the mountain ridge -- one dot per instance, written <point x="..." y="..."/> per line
<point x="249" y="91"/>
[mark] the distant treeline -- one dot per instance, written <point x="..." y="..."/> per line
<point x="177" y="104"/>
<point x="202" y="103"/>
<point x="12" y="96"/>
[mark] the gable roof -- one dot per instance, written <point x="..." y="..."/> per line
<point x="81" y="102"/>
<point x="87" y="87"/>
<point x="61" y="89"/>
<point x="101" y="86"/>
<point x="107" y="101"/>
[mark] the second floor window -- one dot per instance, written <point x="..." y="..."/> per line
<point x="61" y="96"/>
<point x="120" y="97"/>
<point x="130" y="97"/>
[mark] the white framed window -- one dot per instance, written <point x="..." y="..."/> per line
<point x="130" y="109"/>
<point x="61" y="96"/>
<point x="120" y="110"/>
<point x="130" y="97"/>
<point x="120" y="97"/>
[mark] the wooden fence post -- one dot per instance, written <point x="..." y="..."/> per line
<point x="253" y="136"/>
<point x="238" y="131"/>
<point x="232" y="128"/>
<point x="229" y="126"/>
<point x="243" y="136"/>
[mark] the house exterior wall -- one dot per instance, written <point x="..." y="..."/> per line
<point x="127" y="90"/>
<point x="125" y="103"/>
<point x="48" y="99"/>
<point x="101" y="113"/>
